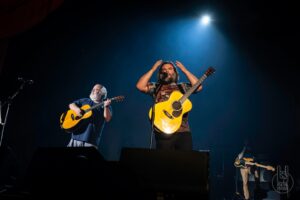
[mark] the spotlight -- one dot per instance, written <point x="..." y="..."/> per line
<point x="205" y="20"/>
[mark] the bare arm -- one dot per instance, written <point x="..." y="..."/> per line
<point x="142" y="84"/>
<point x="191" y="77"/>
<point x="107" y="113"/>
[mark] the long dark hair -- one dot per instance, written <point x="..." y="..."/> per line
<point x="160" y="70"/>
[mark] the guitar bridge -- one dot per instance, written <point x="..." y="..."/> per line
<point x="168" y="114"/>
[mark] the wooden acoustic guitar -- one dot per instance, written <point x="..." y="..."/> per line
<point x="70" y="121"/>
<point x="168" y="114"/>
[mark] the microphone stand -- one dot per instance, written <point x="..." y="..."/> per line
<point x="153" y="115"/>
<point x="8" y="102"/>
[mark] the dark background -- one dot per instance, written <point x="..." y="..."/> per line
<point x="253" y="96"/>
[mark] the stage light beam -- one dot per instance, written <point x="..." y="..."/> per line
<point x="205" y="20"/>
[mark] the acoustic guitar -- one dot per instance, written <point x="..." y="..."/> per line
<point x="70" y="121"/>
<point x="168" y="114"/>
<point x="243" y="162"/>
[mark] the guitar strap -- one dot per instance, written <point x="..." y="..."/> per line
<point x="158" y="87"/>
<point x="181" y="88"/>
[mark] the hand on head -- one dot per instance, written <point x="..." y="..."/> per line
<point x="180" y="65"/>
<point x="157" y="64"/>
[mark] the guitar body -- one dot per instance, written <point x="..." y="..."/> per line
<point x="70" y="121"/>
<point x="168" y="114"/>
<point x="242" y="162"/>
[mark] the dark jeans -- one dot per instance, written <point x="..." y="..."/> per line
<point x="175" y="141"/>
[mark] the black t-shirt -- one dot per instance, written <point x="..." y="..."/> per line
<point x="92" y="131"/>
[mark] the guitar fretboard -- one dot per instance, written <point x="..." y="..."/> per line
<point x="99" y="104"/>
<point x="192" y="89"/>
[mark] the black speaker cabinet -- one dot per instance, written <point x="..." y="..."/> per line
<point x="68" y="171"/>
<point x="177" y="174"/>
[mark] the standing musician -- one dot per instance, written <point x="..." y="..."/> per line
<point x="167" y="82"/>
<point x="89" y="135"/>
<point x="243" y="161"/>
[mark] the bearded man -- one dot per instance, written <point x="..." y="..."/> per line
<point x="89" y="135"/>
<point x="167" y="82"/>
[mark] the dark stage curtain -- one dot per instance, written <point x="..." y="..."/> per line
<point x="17" y="16"/>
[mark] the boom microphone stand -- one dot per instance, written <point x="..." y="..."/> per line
<point x="8" y="102"/>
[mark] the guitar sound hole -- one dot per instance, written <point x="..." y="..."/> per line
<point x="176" y="113"/>
<point x="176" y="105"/>
<point x="75" y="117"/>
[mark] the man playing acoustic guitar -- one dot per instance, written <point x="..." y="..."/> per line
<point x="89" y="134"/>
<point x="162" y="91"/>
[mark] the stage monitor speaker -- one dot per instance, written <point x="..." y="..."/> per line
<point x="175" y="173"/>
<point x="67" y="170"/>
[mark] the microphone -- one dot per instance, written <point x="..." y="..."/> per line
<point x="25" y="80"/>
<point x="163" y="75"/>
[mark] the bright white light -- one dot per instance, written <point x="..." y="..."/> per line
<point x="205" y="20"/>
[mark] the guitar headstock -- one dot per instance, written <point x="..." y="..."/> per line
<point x="118" y="98"/>
<point x="210" y="71"/>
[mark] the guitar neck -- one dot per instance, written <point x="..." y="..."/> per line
<point x="94" y="107"/>
<point x="262" y="166"/>
<point x="99" y="104"/>
<point x="192" y="89"/>
<point x="259" y="165"/>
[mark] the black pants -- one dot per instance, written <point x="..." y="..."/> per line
<point x="175" y="141"/>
